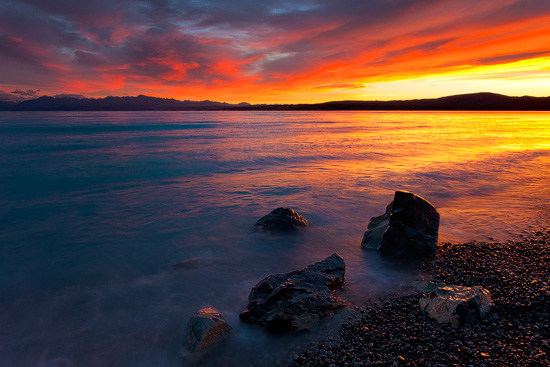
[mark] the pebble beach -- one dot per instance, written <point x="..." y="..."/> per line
<point x="396" y="332"/>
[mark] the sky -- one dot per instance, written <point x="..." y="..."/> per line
<point x="274" y="51"/>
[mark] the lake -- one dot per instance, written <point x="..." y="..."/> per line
<point x="97" y="206"/>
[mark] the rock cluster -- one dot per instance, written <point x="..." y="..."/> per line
<point x="296" y="300"/>
<point x="398" y="333"/>
<point x="292" y="301"/>
<point x="281" y="220"/>
<point x="409" y="227"/>
<point x="407" y="330"/>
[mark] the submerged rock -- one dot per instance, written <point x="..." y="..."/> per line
<point x="457" y="305"/>
<point x="296" y="300"/>
<point x="206" y="329"/>
<point x="281" y="220"/>
<point x="409" y="226"/>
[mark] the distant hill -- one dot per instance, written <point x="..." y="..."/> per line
<point x="139" y="103"/>
<point x="6" y="104"/>
<point x="464" y="102"/>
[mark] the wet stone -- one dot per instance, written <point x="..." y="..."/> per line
<point x="281" y="220"/>
<point x="513" y="336"/>
<point x="206" y="330"/>
<point x="410" y="227"/>
<point x="297" y="300"/>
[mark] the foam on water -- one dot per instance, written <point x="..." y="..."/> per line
<point x="98" y="206"/>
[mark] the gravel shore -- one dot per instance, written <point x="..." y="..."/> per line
<point x="516" y="333"/>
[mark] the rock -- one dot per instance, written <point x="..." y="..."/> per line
<point x="410" y="226"/>
<point x="457" y="305"/>
<point x="281" y="220"/>
<point x="297" y="300"/>
<point x="205" y="330"/>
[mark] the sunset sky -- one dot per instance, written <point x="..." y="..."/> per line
<point x="274" y="51"/>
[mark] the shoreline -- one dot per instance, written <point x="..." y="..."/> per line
<point x="397" y="333"/>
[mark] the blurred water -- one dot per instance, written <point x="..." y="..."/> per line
<point x="96" y="206"/>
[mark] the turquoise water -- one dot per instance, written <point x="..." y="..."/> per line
<point x="97" y="206"/>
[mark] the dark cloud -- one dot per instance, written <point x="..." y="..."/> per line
<point x="8" y="97"/>
<point x="15" y="48"/>
<point x="511" y="57"/>
<point x="89" y="59"/>
<point x="18" y="95"/>
<point x="26" y="93"/>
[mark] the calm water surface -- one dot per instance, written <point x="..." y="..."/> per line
<point x="97" y="206"/>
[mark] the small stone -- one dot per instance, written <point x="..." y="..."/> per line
<point x="281" y="220"/>
<point x="457" y="305"/>
<point x="206" y="329"/>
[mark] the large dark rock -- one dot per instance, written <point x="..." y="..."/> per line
<point x="410" y="226"/>
<point x="297" y="300"/>
<point x="205" y="330"/>
<point x="281" y="220"/>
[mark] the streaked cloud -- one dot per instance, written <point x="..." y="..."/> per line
<point x="254" y="50"/>
<point x="512" y="57"/>
<point x="340" y="86"/>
